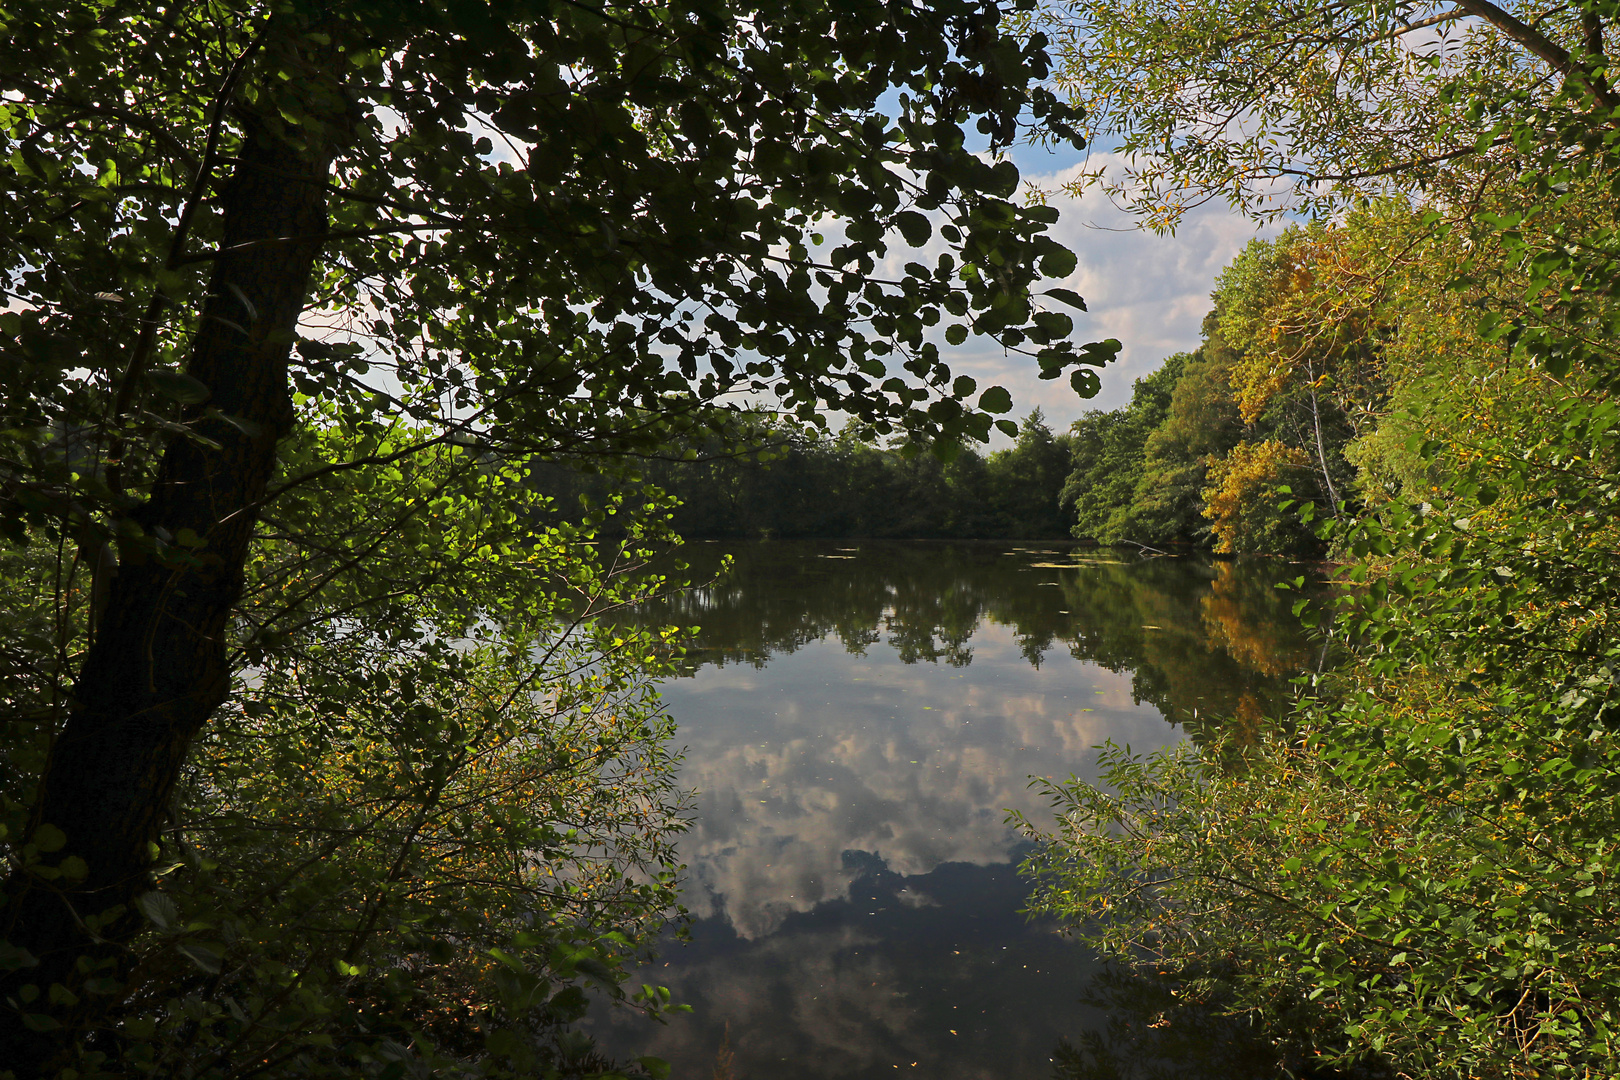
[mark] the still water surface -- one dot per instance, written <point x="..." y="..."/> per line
<point x="858" y="718"/>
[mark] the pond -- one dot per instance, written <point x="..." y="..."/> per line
<point x="858" y="718"/>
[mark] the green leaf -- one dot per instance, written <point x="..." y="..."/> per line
<point x="49" y="838"/>
<point x="1068" y="296"/>
<point x="178" y="386"/>
<point x="41" y="1022"/>
<point x="13" y="957"/>
<point x="1059" y="263"/>
<point x="159" y="910"/>
<point x="246" y="427"/>
<point x="996" y="400"/>
<point x="914" y="227"/>
<point x="207" y="957"/>
<point x="597" y="970"/>
<point x="1101" y="353"/>
<point x="508" y="959"/>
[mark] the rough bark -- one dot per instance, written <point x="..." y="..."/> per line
<point x="157" y="667"/>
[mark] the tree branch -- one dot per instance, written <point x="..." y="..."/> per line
<point x="1544" y="48"/>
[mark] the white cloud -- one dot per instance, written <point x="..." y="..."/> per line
<point x="1149" y="291"/>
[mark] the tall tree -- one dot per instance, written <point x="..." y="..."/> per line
<point x="1026" y="480"/>
<point x="530" y="226"/>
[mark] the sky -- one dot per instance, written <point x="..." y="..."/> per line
<point x="1149" y="291"/>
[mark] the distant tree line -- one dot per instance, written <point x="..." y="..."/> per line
<point x="795" y="484"/>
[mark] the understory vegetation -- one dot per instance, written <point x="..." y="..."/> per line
<point x="437" y="815"/>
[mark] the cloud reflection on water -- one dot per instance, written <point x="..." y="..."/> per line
<point x="905" y="972"/>
<point x="828" y="752"/>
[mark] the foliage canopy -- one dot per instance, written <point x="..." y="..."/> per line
<point x="1308" y="106"/>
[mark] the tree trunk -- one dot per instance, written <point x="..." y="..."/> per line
<point x="157" y="669"/>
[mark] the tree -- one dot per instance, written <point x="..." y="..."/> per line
<point x="1423" y="852"/>
<point x="526" y="228"/>
<point x="1313" y="335"/>
<point x="1311" y="104"/>
<point x="1027" y="480"/>
<point x="1201" y="426"/>
<point x="1243" y="496"/>
<point x="1307" y="378"/>
<point x="1107" y="458"/>
<point x="414" y="840"/>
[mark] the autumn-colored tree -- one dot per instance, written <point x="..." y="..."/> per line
<point x="1243" y="496"/>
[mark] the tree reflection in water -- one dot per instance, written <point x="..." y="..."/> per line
<point x="1205" y="642"/>
<point x="858" y="719"/>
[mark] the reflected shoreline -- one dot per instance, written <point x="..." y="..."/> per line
<point x="1181" y="625"/>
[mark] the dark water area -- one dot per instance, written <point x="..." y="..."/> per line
<point x="858" y="719"/>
